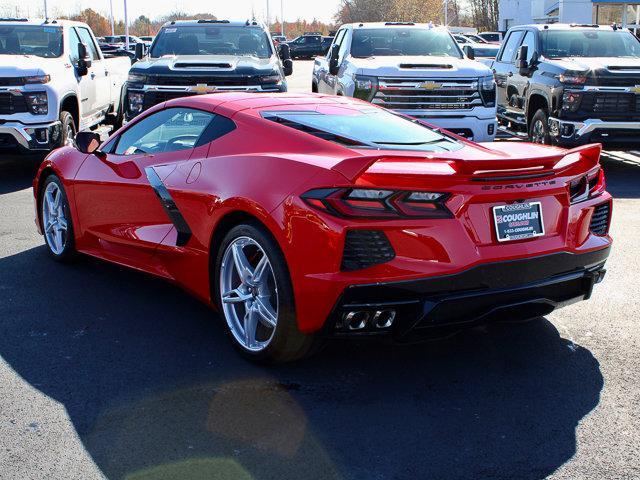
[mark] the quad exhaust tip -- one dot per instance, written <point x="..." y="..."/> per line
<point x="359" y="320"/>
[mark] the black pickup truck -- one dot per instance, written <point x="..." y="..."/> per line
<point x="310" y="45"/>
<point x="191" y="57"/>
<point x="569" y="85"/>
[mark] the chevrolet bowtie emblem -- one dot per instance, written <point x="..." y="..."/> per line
<point x="636" y="89"/>
<point x="202" y="88"/>
<point x="430" y="85"/>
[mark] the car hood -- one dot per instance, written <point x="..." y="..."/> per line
<point x="419" y="66"/>
<point x="26" y="65"/>
<point x="596" y="63"/>
<point x="205" y="64"/>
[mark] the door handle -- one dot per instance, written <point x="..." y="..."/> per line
<point x="106" y="73"/>
<point x="93" y="75"/>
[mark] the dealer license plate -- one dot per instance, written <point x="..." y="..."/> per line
<point x="517" y="221"/>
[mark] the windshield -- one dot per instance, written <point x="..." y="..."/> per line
<point x="41" y="41"/>
<point x="208" y="40"/>
<point x="589" y="43"/>
<point x="489" y="52"/>
<point x="371" y="42"/>
<point x="374" y="128"/>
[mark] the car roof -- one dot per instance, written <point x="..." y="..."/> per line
<point x="39" y="22"/>
<point x="565" y="26"/>
<point x="217" y="23"/>
<point x="367" y="25"/>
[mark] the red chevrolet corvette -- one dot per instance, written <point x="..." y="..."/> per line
<point x="302" y="217"/>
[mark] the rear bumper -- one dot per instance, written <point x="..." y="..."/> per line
<point x="510" y="290"/>
<point x="571" y="133"/>
<point x="15" y="136"/>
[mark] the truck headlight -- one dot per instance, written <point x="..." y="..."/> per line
<point x="136" y="101"/>
<point x="270" y="78"/>
<point x="365" y="87"/>
<point x="487" y="87"/>
<point x="136" y="78"/>
<point x="37" y="102"/>
<point x="571" y="101"/>
<point x="37" y="79"/>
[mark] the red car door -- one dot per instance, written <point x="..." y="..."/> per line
<point x="119" y="212"/>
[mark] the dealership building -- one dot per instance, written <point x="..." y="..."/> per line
<point x="603" y="12"/>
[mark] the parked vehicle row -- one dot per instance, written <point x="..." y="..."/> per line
<point x="54" y="81"/>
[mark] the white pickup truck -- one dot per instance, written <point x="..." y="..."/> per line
<point x="414" y="69"/>
<point x="54" y="81"/>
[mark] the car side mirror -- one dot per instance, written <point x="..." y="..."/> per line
<point x="84" y="60"/>
<point x="521" y="59"/>
<point x="334" y="66"/>
<point x="141" y="51"/>
<point x="469" y="52"/>
<point x="87" y="142"/>
<point x="285" y="55"/>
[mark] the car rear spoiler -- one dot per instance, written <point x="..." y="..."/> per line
<point x="497" y="165"/>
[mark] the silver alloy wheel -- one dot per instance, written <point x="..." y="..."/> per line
<point x="538" y="132"/>
<point x="249" y="294"/>
<point x="54" y="220"/>
<point x="70" y="136"/>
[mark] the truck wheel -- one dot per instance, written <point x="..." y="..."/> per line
<point x="68" y="129"/>
<point x="539" y="128"/>
<point x="314" y="87"/>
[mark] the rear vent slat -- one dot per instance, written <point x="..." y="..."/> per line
<point x="600" y="219"/>
<point x="365" y="248"/>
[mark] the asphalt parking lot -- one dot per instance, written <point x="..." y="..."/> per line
<point x="105" y="372"/>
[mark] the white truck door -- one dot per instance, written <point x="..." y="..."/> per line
<point x="97" y="73"/>
<point x="86" y="86"/>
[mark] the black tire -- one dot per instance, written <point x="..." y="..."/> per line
<point x="314" y="87"/>
<point x="68" y="253"/>
<point x="539" y="128"/>
<point x="69" y="128"/>
<point x="287" y="343"/>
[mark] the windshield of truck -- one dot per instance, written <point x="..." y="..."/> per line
<point x="371" y="128"/>
<point x="378" y="42"/>
<point x="38" y="40"/>
<point x="211" y="40"/>
<point x="589" y="43"/>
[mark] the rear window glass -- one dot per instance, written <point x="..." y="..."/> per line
<point x="372" y="128"/>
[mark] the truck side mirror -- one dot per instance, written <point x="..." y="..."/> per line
<point x="469" y="52"/>
<point x="87" y="142"/>
<point x="285" y="55"/>
<point x="521" y="59"/>
<point x="84" y="60"/>
<point x="141" y="51"/>
<point x="334" y="66"/>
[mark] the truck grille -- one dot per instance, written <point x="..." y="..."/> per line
<point x="11" y="103"/>
<point x="427" y="94"/>
<point x="365" y="248"/>
<point x="613" y="103"/>
<point x="215" y="80"/>
<point x="154" y="98"/>
<point x="11" y="81"/>
<point x="600" y="219"/>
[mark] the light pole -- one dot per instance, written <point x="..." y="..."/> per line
<point x="282" y="17"/>
<point x="446" y="13"/>
<point x="126" y="27"/>
<point x="46" y="14"/>
<point x="268" y="17"/>
<point x="113" y="29"/>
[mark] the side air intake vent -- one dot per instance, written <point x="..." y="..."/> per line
<point x="365" y="248"/>
<point x="600" y="219"/>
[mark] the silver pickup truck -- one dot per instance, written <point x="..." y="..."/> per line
<point x="54" y="81"/>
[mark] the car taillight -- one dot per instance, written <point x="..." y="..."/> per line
<point x="374" y="203"/>
<point x="588" y="186"/>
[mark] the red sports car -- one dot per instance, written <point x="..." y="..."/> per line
<point x="302" y="217"/>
